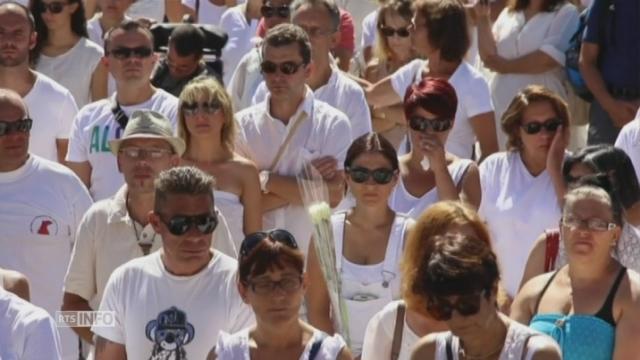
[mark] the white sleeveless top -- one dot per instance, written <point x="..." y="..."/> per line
<point x="517" y="336"/>
<point x="236" y="346"/>
<point x="403" y="202"/>
<point x="230" y="206"/>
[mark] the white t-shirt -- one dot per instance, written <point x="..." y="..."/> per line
<point x="42" y="204"/>
<point x="95" y="126"/>
<point x="369" y="29"/>
<point x="208" y="13"/>
<point x="162" y="316"/>
<point x="74" y="69"/>
<point x="52" y="109"/>
<point x="474" y="99"/>
<point x="242" y="38"/>
<point x="343" y="94"/>
<point x="629" y="141"/>
<point x="150" y="9"/>
<point x="26" y="331"/>
<point x="245" y="80"/>
<point x="236" y="346"/>
<point x="379" y="336"/>
<point x="517" y="208"/>
<point x="324" y="132"/>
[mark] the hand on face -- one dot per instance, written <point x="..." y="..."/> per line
<point x="432" y="147"/>
<point x="555" y="156"/>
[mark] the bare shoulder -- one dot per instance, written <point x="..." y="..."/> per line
<point x="545" y="348"/>
<point x="523" y="306"/>
<point x="629" y="292"/>
<point x="425" y="349"/>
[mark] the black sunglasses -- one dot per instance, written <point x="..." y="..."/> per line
<point x="388" y="31"/>
<point x="271" y="11"/>
<point x="180" y="224"/>
<point x="55" y="7"/>
<point x="360" y="175"/>
<point x="421" y="124"/>
<point x="287" y="67"/>
<point x="466" y="305"/>
<point x="191" y="109"/>
<point x="139" y="52"/>
<point x="22" y="126"/>
<point x="535" y="127"/>
<point x="276" y="235"/>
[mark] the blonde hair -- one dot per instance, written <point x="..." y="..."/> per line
<point x="207" y="89"/>
<point x="403" y="8"/>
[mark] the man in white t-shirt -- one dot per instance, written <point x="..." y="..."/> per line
<point x="321" y="21"/>
<point x="130" y="59"/>
<point x="291" y="130"/>
<point x="173" y="303"/>
<point x="41" y="207"/>
<point x="26" y="331"/>
<point x="50" y="105"/>
<point x="207" y="11"/>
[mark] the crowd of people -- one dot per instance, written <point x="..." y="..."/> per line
<point x="162" y="163"/>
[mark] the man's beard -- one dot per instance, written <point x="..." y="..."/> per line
<point x="17" y="60"/>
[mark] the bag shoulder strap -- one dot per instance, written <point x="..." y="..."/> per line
<point x="315" y="347"/>
<point x="449" y="346"/>
<point x="398" y="331"/>
<point x="119" y="115"/>
<point x="552" y="244"/>
<point x="286" y="141"/>
<point x="525" y="348"/>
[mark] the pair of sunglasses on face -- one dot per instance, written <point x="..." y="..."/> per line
<point x="466" y="305"/>
<point x="181" y="224"/>
<point x="388" y="31"/>
<point x="276" y="235"/>
<point x="54" y="7"/>
<point x="192" y="109"/>
<point x="361" y="175"/>
<point x="535" y="127"/>
<point x="287" y="67"/>
<point x="21" y="126"/>
<point x="122" y="53"/>
<point x="279" y="11"/>
<point x="421" y="124"/>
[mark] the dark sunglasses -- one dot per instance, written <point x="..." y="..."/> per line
<point x="22" y="126"/>
<point x="535" y="127"/>
<point x="287" y="67"/>
<point x="191" y="109"/>
<point x="271" y="11"/>
<point x="360" y="175"/>
<point x="180" y="224"/>
<point x="55" y="7"/>
<point x="277" y="235"/>
<point x="139" y="52"/>
<point x="418" y="123"/>
<point x="388" y="31"/>
<point x="466" y="305"/>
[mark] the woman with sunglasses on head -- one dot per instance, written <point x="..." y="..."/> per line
<point x="522" y="187"/>
<point x="369" y="241"/>
<point x="206" y="124"/>
<point x="64" y="52"/>
<point x="393" y="50"/>
<point x="457" y="283"/>
<point x="429" y="173"/>
<point x="440" y="35"/>
<point x="591" y="306"/>
<point x="272" y="281"/>
<point x="549" y="253"/>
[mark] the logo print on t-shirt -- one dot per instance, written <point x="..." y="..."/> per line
<point x="170" y="332"/>
<point x="44" y="225"/>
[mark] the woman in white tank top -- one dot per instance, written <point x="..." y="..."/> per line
<point x="272" y="281"/>
<point x="428" y="173"/>
<point x="369" y="241"/>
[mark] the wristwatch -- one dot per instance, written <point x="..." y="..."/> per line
<point x="264" y="179"/>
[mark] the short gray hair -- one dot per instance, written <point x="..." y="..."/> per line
<point x="184" y="180"/>
<point x="330" y="6"/>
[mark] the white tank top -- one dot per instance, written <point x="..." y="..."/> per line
<point x="236" y="346"/>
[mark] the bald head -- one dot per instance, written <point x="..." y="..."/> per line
<point x="18" y="9"/>
<point x="11" y="105"/>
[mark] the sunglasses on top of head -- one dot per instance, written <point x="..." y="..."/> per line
<point x="287" y="67"/>
<point x="54" y="7"/>
<point x="389" y="31"/>
<point x="140" y="52"/>
<point x="466" y="305"/>
<point x="277" y="235"/>
<point x="421" y="124"/>
<point x="21" y="126"/>
<point x="360" y="175"/>
<point x="535" y="127"/>
<point x="271" y="11"/>
<point x="180" y="224"/>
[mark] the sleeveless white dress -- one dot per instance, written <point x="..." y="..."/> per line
<point x="230" y="206"/>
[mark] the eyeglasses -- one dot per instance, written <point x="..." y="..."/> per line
<point x="140" y="52"/>
<point x="314" y="32"/>
<point x="421" y="124"/>
<point x="388" y="31"/>
<point x="138" y="153"/>
<point x="276" y="235"/>
<point x="288" y="284"/>
<point x="466" y="305"/>
<point x="271" y="11"/>
<point x="592" y="224"/>
<point x="54" y="7"/>
<point x="192" y="109"/>
<point x="287" y="67"/>
<point x="535" y="127"/>
<point x="360" y="175"/>
<point x="21" y="126"/>
<point x="180" y="224"/>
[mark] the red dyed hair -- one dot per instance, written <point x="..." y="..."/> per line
<point x="434" y="95"/>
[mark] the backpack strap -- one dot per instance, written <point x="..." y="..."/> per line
<point x="315" y="347"/>
<point x="552" y="244"/>
<point x="398" y="331"/>
<point x="449" y="345"/>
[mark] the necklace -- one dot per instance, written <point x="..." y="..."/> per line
<point x="145" y="245"/>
